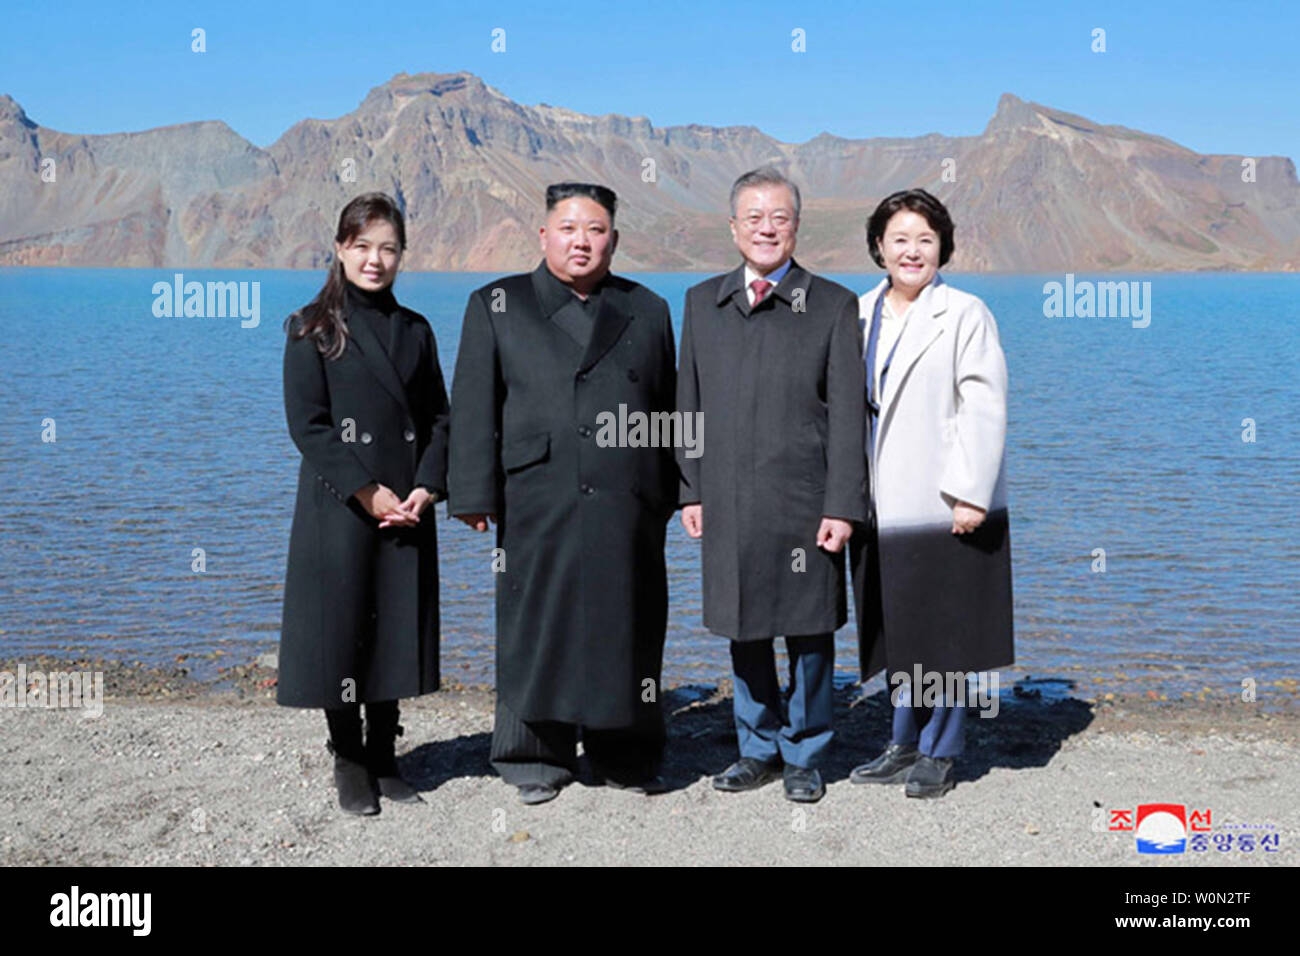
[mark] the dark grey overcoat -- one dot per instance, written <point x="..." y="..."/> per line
<point x="361" y="603"/>
<point x="781" y="392"/>
<point x="582" y="602"/>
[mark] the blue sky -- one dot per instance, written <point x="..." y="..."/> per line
<point x="1217" y="77"/>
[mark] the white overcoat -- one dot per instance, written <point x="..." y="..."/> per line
<point x="940" y="600"/>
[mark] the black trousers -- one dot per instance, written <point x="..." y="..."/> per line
<point x="345" y="725"/>
<point x="546" y="751"/>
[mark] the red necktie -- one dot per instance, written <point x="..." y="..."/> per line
<point x="760" y="287"/>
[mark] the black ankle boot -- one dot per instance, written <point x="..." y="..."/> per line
<point x="382" y="730"/>
<point x="355" y="785"/>
<point x="356" y="788"/>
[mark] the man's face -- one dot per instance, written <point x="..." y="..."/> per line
<point x="764" y="226"/>
<point x="578" y="241"/>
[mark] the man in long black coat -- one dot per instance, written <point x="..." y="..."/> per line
<point x="771" y="357"/>
<point x="546" y="360"/>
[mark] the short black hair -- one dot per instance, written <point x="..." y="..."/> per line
<point x="558" y="192"/>
<point x="923" y="204"/>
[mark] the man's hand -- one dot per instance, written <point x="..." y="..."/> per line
<point x="693" y="520"/>
<point x="966" y="517"/>
<point x="479" y="522"/>
<point x="832" y="534"/>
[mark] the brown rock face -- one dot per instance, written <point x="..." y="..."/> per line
<point x="1039" y="190"/>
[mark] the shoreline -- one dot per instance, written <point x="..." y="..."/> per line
<point x="255" y="679"/>
<point x="178" y="773"/>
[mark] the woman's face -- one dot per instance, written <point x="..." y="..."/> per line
<point x="370" y="257"/>
<point x="910" y="249"/>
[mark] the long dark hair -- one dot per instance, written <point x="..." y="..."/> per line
<point x="322" y="318"/>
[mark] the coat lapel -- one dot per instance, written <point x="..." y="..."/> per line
<point x="611" y="320"/>
<point x="866" y="307"/>
<point x="795" y="279"/>
<point x="376" y="358"/>
<point x="922" y="328"/>
<point x="732" y="287"/>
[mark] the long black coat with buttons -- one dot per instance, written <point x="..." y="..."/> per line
<point x="360" y="603"/>
<point x="781" y="389"/>
<point x="582" y="601"/>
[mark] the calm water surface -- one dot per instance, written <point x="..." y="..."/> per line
<point x="171" y="437"/>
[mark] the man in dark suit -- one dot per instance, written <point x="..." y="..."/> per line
<point x="771" y="357"/>
<point x="582" y="592"/>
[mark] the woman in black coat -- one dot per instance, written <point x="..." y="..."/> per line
<point x="367" y="407"/>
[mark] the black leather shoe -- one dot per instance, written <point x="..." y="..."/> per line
<point x="930" y="777"/>
<point x="531" y="793"/>
<point x="890" y="767"/>
<point x="747" y="773"/>
<point x="803" y="784"/>
<point x="355" y="785"/>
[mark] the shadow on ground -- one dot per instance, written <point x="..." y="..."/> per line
<point x="702" y="738"/>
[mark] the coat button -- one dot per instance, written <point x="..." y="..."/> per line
<point x="631" y="375"/>
<point x="584" y="431"/>
<point x="408" y="435"/>
<point x="588" y="490"/>
<point x="365" y="438"/>
<point x="582" y="376"/>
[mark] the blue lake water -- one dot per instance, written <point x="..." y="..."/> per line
<point x="171" y="436"/>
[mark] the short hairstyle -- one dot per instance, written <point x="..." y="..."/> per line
<point x="913" y="200"/>
<point x="764" y="176"/>
<point x="558" y="192"/>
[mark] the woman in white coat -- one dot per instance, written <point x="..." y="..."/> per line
<point x="932" y="585"/>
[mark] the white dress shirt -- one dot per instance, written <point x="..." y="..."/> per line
<point x="774" y="277"/>
<point x="891" y="327"/>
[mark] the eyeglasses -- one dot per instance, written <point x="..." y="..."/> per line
<point x="780" y="221"/>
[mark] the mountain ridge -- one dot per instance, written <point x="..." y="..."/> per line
<point x="1040" y="189"/>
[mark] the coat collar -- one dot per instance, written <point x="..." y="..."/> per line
<point x="923" y="327"/>
<point x="552" y="294"/>
<point x="373" y="353"/>
<point x="611" y="318"/>
<point x="796" y="277"/>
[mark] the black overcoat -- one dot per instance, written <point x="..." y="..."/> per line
<point x="582" y="601"/>
<point x="781" y="391"/>
<point x="361" y="603"/>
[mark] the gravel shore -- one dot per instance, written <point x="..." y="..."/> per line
<point x="174" y="773"/>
